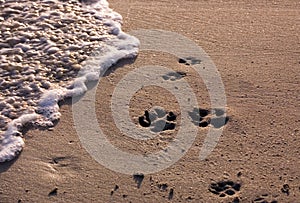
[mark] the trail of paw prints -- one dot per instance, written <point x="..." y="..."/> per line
<point x="205" y="117"/>
<point x="226" y="188"/>
<point x="158" y="120"/>
<point x="264" y="198"/>
<point x="173" y="76"/>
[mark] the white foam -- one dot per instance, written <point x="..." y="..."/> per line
<point x="12" y="142"/>
<point x="10" y="147"/>
<point x="47" y="110"/>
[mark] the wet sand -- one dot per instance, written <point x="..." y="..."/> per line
<point x="255" y="47"/>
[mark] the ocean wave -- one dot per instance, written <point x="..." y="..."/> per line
<point x="49" y="51"/>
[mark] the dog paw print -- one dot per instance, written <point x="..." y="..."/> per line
<point x="264" y="198"/>
<point x="225" y="189"/>
<point x="205" y="117"/>
<point x="158" y="120"/>
<point x="173" y="76"/>
<point x="189" y="61"/>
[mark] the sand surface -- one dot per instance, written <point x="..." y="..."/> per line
<point x="255" y="46"/>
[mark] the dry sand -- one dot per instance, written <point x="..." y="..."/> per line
<point x="255" y="46"/>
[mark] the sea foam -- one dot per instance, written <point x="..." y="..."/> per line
<point x="36" y="97"/>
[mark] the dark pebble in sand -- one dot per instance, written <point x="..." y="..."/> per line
<point x="239" y="174"/>
<point x="138" y="179"/>
<point x="182" y="61"/>
<point x="53" y="192"/>
<point x="163" y="187"/>
<point x="285" y="189"/>
<point x="171" y="194"/>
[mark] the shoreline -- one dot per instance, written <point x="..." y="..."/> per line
<point x="258" y="147"/>
<point x="48" y="57"/>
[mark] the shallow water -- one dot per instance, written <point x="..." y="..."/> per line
<point x="49" y="49"/>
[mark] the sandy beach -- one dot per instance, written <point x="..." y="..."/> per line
<point x="255" y="47"/>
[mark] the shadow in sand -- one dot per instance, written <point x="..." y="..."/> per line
<point x="91" y="84"/>
<point x="119" y="64"/>
<point x="6" y="165"/>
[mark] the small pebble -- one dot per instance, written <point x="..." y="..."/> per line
<point x="52" y="50"/>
